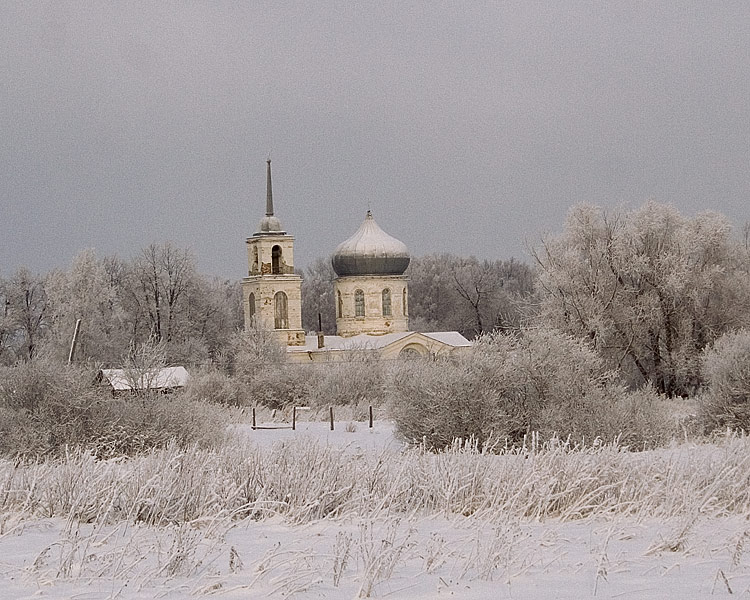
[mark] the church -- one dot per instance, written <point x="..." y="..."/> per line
<point x="371" y="293"/>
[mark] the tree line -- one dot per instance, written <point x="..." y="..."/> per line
<point x="446" y="293"/>
<point x="647" y="289"/>
<point x="158" y="297"/>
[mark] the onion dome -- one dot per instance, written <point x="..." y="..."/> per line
<point x="370" y="251"/>
<point x="269" y="225"/>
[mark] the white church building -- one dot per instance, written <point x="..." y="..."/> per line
<point x="371" y="294"/>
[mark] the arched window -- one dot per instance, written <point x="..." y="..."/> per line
<point x="359" y="303"/>
<point x="340" y="305"/>
<point x="276" y="260"/>
<point x="386" y="302"/>
<point x="280" y="314"/>
<point x="403" y="302"/>
<point x="413" y="351"/>
<point x="251" y="308"/>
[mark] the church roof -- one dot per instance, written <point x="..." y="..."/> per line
<point x="370" y="251"/>
<point x="364" y="341"/>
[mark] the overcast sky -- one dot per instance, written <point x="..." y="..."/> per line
<point x="467" y="127"/>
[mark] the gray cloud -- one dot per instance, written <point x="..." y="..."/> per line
<point x="467" y="127"/>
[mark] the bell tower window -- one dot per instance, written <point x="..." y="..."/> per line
<point x="403" y="302"/>
<point x="340" y="305"/>
<point x="281" y="312"/>
<point x="276" y="260"/>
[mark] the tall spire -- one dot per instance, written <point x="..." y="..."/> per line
<point x="269" y="191"/>
<point x="269" y="225"/>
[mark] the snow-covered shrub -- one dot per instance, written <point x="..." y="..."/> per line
<point x="46" y="405"/>
<point x="637" y="419"/>
<point x="725" y="401"/>
<point x="507" y="387"/>
<point x="360" y="379"/>
<point x="129" y="425"/>
<point x="251" y="351"/>
<point x="256" y="362"/>
<point x="215" y="386"/>
<point x="278" y="385"/>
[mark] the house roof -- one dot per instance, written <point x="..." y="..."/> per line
<point x="128" y="379"/>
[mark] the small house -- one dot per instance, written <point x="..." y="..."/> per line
<point x="166" y="379"/>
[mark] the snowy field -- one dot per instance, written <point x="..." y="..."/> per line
<point x="346" y="514"/>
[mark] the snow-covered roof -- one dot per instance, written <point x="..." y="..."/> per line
<point x="125" y="379"/>
<point x="365" y="341"/>
<point x="452" y="338"/>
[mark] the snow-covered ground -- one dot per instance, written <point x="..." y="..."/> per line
<point x="358" y="438"/>
<point x="386" y="554"/>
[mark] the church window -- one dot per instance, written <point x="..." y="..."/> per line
<point x="386" y="302"/>
<point x="340" y="305"/>
<point x="276" y="260"/>
<point x="359" y="303"/>
<point x="413" y="351"/>
<point x="251" y="308"/>
<point x="403" y="302"/>
<point x="281" y="313"/>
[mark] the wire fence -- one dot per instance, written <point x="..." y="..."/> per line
<point x="293" y="424"/>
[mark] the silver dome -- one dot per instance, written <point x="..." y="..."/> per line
<point x="370" y="251"/>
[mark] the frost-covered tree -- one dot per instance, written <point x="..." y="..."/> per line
<point x="449" y="292"/>
<point x="167" y="300"/>
<point x="317" y="297"/>
<point x="648" y="288"/>
<point x="86" y="292"/>
<point x="6" y="329"/>
<point x="122" y="303"/>
<point x="25" y="313"/>
<point x="162" y="276"/>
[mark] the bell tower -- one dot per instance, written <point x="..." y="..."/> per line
<point x="271" y="292"/>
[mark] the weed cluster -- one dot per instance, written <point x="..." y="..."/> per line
<point x="46" y="408"/>
<point x="303" y="481"/>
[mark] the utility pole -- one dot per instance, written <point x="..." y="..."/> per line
<point x="74" y="341"/>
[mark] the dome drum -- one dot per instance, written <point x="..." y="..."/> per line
<point x="371" y="304"/>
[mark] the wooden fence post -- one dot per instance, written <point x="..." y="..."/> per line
<point x="330" y="408"/>
<point x="294" y="418"/>
<point x="253" y="417"/>
<point x="370" y="416"/>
